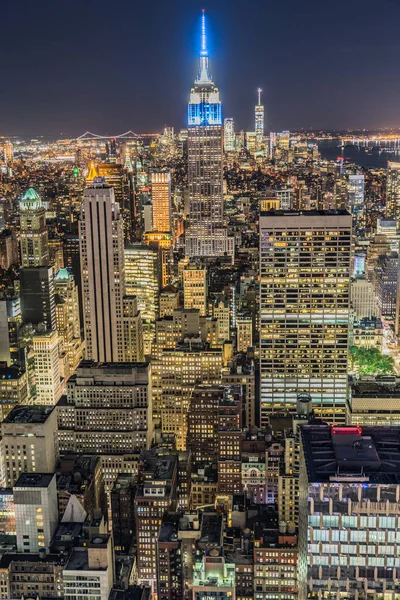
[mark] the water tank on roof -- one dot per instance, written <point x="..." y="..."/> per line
<point x="282" y="526"/>
<point x="291" y="527"/>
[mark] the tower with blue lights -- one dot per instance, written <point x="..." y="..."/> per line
<point x="206" y="234"/>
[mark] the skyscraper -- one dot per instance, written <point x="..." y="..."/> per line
<point x="8" y="152"/>
<point x="259" y="121"/>
<point x="103" y="275"/>
<point x="355" y="190"/>
<point x="161" y="197"/>
<point x="229" y="135"/>
<point x="33" y="233"/>
<point x="393" y="192"/>
<point x="206" y="235"/>
<point x="304" y="304"/>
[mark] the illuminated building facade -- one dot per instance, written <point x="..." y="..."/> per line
<point x="67" y="318"/>
<point x="142" y="276"/>
<point x="13" y="388"/>
<point x="393" y="193"/>
<point x="47" y="367"/>
<point x="182" y="367"/>
<point x="348" y="522"/>
<point x="195" y="287"/>
<point x="33" y="231"/>
<point x="304" y="311"/>
<point x="103" y="274"/>
<point x="161" y="198"/>
<point x="8" y="152"/>
<point x="355" y="189"/>
<point x="259" y="122"/>
<point x="156" y="494"/>
<point x="206" y="235"/>
<point x="107" y="412"/>
<point x="229" y="135"/>
<point x="36" y="424"/>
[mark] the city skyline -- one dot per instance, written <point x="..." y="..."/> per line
<point x="289" y="52"/>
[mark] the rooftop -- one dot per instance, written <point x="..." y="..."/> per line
<point x="11" y="373"/>
<point x="211" y="528"/>
<point x="304" y="213"/>
<point x="34" y="480"/>
<point x="169" y="528"/>
<point x="355" y="453"/>
<point x="29" y="413"/>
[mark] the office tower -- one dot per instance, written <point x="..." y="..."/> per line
<point x="37" y="296"/>
<point x="170" y="559"/>
<point x="222" y="312"/>
<point x="162" y="243"/>
<point x="8" y="249"/>
<point x="206" y="235"/>
<point x="386" y="284"/>
<point x="13" y="388"/>
<point x="89" y="572"/>
<point x="195" y="287"/>
<point x="142" y="275"/>
<point x="28" y="442"/>
<point x="116" y="177"/>
<point x="36" y="514"/>
<point x="103" y="273"/>
<point x="181" y="368"/>
<point x="14" y="337"/>
<point x="229" y="135"/>
<point x="8" y="152"/>
<point x="122" y="512"/>
<point x="304" y="311"/>
<point x="161" y="199"/>
<point x="355" y="189"/>
<point x="68" y="319"/>
<point x="259" y="121"/>
<point x="80" y="476"/>
<point x="244" y="332"/>
<point x="156" y="494"/>
<point x="168" y="300"/>
<point x="348" y="509"/>
<point x="5" y="341"/>
<point x="47" y="367"/>
<point x="132" y="331"/>
<point x="393" y="192"/>
<point x="363" y="299"/>
<point x="107" y="411"/>
<point x="341" y="194"/>
<point x="33" y="231"/>
<point x="213" y="412"/>
<point x="241" y="372"/>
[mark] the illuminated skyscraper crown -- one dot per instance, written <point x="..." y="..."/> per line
<point x="204" y="104"/>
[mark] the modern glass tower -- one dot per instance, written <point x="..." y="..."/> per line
<point x="206" y="235"/>
<point x="259" y="121"/>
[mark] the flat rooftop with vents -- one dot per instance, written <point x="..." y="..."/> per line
<point x="345" y="453"/>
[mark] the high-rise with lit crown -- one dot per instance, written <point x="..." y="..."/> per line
<point x="206" y="235"/>
<point x="259" y="121"/>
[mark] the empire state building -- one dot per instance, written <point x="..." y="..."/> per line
<point x="206" y="234"/>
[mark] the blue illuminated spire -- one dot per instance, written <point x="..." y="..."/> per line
<point x="204" y="75"/>
<point x="204" y="51"/>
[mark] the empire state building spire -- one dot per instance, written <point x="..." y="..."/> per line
<point x="204" y="75"/>
<point x="206" y="234"/>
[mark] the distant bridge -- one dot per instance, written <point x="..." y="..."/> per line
<point x="88" y="135"/>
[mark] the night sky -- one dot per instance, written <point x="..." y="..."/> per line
<point x="112" y="65"/>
